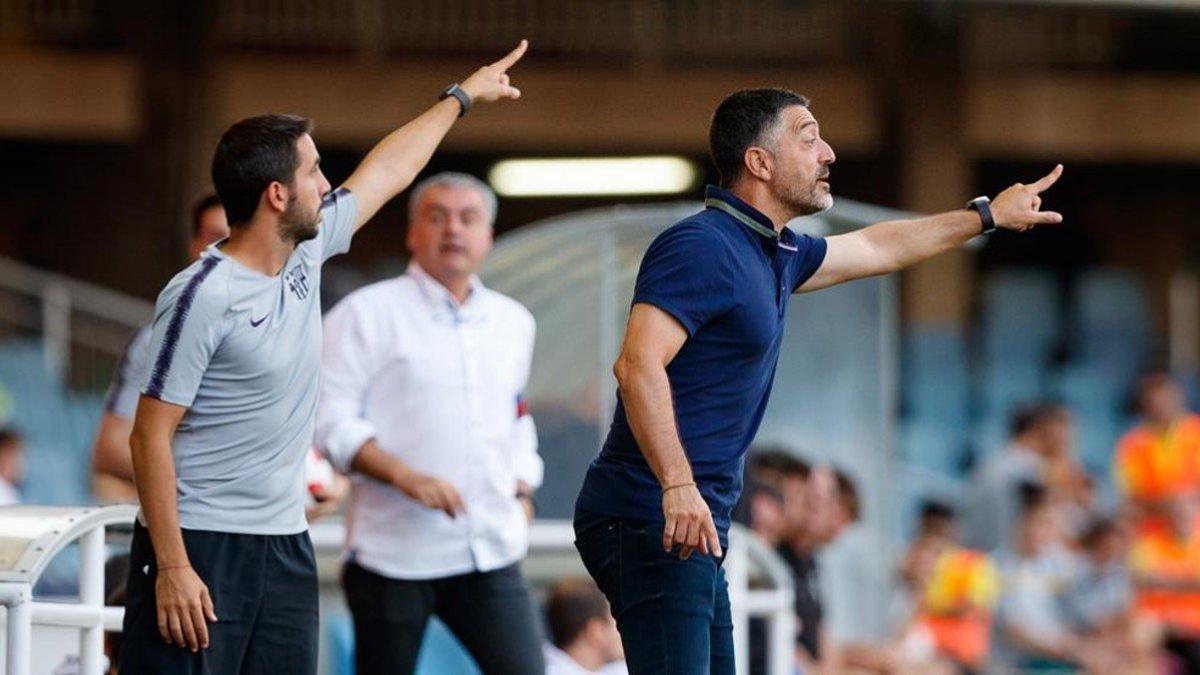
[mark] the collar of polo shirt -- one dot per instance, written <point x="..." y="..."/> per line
<point x="723" y="200"/>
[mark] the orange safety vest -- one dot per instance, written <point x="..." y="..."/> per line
<point x="1153" y="466"/>
<point x="1158" y="553"/>
<point x="956" y="607"/>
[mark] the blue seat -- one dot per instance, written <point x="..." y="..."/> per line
<point x="441" y="652"/>
<point x="1021" y="316"/>
<point x="58" y="426"/>
<point x="1089" y="389"/>
<point x="936" y="386"/>
<point x="932" y="447"/>
<point x="1111" y="320"/>
<point x="1003" y="385"/>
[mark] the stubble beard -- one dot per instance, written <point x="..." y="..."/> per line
<point x="296" y="226"/>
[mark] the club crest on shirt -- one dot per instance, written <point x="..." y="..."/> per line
<point x="297" y="281"/>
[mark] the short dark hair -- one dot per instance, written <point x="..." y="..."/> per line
<point x="1096" y="531"/>
<point x="1151" y="378"/>
<point x="10" y="438"/>
<point x="206" y="201"/>
<point x="740" y="121"/>
<point x="933" y="508"/>
<point x="1028" y="417"/>
<point x="1032" y="496"/>
<point x="777" y="459"/>
<point x="251" y="155"/>
<point x="847" y="492"/>
<point x="572" y="604"/>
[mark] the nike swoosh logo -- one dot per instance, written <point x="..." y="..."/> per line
<point x="255" y="324"/>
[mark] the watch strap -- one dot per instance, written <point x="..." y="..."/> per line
<point x="464" y="100"/>
<point x="983" y="206"/>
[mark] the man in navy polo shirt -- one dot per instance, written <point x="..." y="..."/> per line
<point x="699" y="356"/>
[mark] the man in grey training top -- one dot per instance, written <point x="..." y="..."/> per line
<point x="222" y="575"/>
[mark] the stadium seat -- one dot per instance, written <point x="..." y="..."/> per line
<point x="932" y="447"/>
<point x="441" y="652"/>
<point x="935" y="380"/>
<point x="1111" y="321"/>
<point x="1003" y="385"/>
<point x="1021" y="316"/>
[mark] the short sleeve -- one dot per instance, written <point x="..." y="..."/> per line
<point x="686" y="273"/>
<point x="810" y="253"/>
<point x="189" y="326"/>
<point x="122" y="397"/>
<point x="339" y="212"/>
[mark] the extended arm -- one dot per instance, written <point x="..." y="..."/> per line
<point x="395" y="161"/>
<point x="651" y="342"/>
<point x="895" y="244"/>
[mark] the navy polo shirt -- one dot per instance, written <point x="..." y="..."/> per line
<point x="726" y="276"/>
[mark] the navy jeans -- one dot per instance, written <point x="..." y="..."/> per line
<point x="673" y="614"/>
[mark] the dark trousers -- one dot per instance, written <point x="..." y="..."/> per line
<point x="673" y="614"/>
<point x="491" y="613"/>
<point x="264" y="593"/>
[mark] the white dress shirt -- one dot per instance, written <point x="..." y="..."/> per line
<point x="9" y="494"/>
<point x="438" y="385"/>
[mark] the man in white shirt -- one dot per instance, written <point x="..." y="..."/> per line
<point x="583" y="633"/>
<point x="422" y="384"/>
<point x="12" y="466"/>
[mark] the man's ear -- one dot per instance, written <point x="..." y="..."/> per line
<point x="594" y="630"/>
<point x="758" y="163"/>
<point x="276" y="196"/>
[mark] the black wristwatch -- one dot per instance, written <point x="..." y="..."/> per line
<point x="983" y="206"/>
<point x="464" y="100"/>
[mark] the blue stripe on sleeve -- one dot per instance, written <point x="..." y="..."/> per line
<point x="162" y="365"/>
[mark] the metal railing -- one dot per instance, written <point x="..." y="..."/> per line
<point x="74" y="320"/>
<point x="33" y="535"/>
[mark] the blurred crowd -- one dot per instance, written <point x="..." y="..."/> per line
<point x="1033" y="569"/>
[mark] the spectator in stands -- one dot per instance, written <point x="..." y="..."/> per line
<point x="773" y="505"/>
<point x="112" y="463"/>
<point x="1159" y="459"/>
<point x="845" y="643"/>
<point x="422" y="398"/>
<point x="818" y="514"/>
<point x="1035" y="632"/>
<point x="772" y="472"/>
<point x="12" y="466"/>
<point x="583" y="633"/>
<point x="951" y="592"/>
<point x="1166" y="568"/>
<point x="1100" y="602"/>
<point x="1040" y="433"/>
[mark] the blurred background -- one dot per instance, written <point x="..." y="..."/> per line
<point x="111" y="110"/>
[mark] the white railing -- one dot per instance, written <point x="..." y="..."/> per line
<point x="58" y="299"/>
<point x="31" y="537"/>
<point x="746" y="555"/>
<point x="37" y="534"/>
